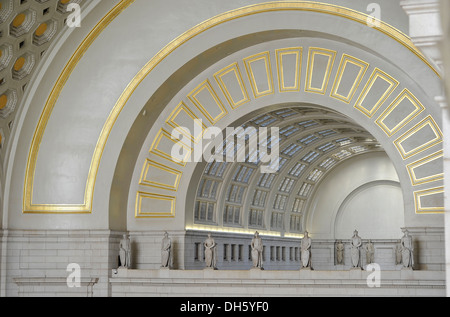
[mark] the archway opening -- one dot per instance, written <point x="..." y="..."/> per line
<point x="236" y="195"/>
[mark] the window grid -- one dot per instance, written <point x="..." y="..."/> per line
<point x="204" y="211"/>
<point x="329" y="162"/>
<point x="309" y="139"/>
<point x="280" y="202"/>
<point x="296" y="223"/>
<point x="310" y="157"/>
<point x="315" y="175"/>
<point x="286" y="185"/>
<point x="259" y="198"/>
<point x="256" y="218"/>
<point x="277" y="221"/>
<point x="298" y="205"/>
<point x="292" y="149"/>
<point x="305" y="189"/>
<point x="232" y="215"/>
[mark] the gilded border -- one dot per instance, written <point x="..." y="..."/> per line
<point x="86" y="207"/>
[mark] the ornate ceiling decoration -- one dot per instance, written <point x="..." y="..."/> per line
<point x="27" y="30"/>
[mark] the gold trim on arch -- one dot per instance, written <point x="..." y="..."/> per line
<point x="86" y="207"/>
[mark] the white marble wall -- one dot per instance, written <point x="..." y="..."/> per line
<point x="146" y="249"/>
<point x="35" y="262"/>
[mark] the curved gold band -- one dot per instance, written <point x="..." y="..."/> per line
<point x="86" y="207"/>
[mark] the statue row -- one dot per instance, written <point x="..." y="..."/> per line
<point x="405" y="251"/>
<point x="210" y="251"/>
<point x="256" y="245"/>
<point x="125" y="252"/>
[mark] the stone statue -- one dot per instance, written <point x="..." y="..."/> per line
<point x="340" y="252"/>
<point x="257" y="251"/>
<point x="125" y="252"/>
<point x="407" y="250"/>
<point x="210" y="252"/>
<point x="398" y="253"/>
<point x="370" y="252"/>
<point x="306" y="251"/>
<point x="356" y="243"/>
<point x="166" y="252"/>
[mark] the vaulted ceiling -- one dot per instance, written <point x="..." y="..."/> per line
<point x="28" y="28"/>
<point x="312" y="141"/>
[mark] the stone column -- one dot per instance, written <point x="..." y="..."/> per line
<point x="425" y="29"/>
<point x="430" y="32"/>
<point x="445" y="49"/>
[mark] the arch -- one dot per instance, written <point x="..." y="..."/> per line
<point x="229" y="16"/>
<point x="222" y="112"/>
<point x="91" y="159"/>
<point x="177" y="69"/>
<point x="312" y="141"/>
<point x="365" y="221"/>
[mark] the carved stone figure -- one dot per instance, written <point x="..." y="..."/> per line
<point x="340" y="252"/>
<point x="210" y="252"/>
<point x="166" y="252"/>
<point x="125" y="252"/>
<point x="407" y="250"/>
<point x="398" y="253"/>
<point x="306" y="251"/>
<point x="257" y="251"/>
<point x="356" y="243"/>
<point x="370" y="252"/>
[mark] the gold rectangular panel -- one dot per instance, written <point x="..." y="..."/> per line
<point x="289" y="65"/>
<point x="429" y="201"/>
<point x="160" y="176"/>
<point x="415" y="137"/>
<point x="403" y="110"/>
<point x="164" y="144"/>
<point x="232" y="85"/>
<point x="320" y="65"/>
<point x="378" y="88"/>
<point x="350" y="74"/>
<point x="181" y="117"/>
<point x="208" y="102"/>
<point x="149" y="205"/>
<point x="259" y="71"/>
<point x="423" y="164"/>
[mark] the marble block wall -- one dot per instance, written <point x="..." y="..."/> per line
<point x="146" y="249"/>
<point x="34" y="263"/>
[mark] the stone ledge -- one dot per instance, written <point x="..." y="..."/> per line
<point x="267" y="283"/>
<point x="54" y="286"/>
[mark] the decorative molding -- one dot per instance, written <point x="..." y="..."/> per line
<point x="86" y="206"/>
